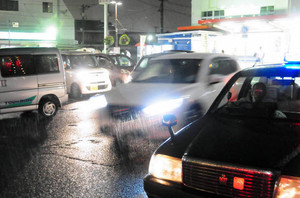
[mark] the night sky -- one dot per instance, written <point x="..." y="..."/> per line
<point x="137" y="15"/>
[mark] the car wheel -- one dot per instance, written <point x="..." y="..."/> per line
<point x="48" y="108"/>
<point x="193" y="113"/>
<point x="75" y="91"/>
<point x="117" y="82"/>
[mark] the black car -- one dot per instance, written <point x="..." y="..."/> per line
<point x="247" y="145"/>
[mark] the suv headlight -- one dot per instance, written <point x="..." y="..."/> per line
<point x="163" y="107"/>
<point x="166" y="167"/>
<point x="288" y="187"/>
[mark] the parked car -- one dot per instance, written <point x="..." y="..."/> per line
<point x="119" y="67"/>
<point x="247" y="145"/>
<point x="185" y="84"/>
<point x="84" y="74"/>
<point x="32" y="79"/>
<point x="123" y="61"/>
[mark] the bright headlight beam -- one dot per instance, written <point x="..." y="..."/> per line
<point x="163" y="107"/>
<point x="166" y="167"/>
<point x="98" y="102"/>
<point x="288" y="187"/>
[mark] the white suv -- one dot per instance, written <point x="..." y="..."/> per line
<point x="184" y="84"/>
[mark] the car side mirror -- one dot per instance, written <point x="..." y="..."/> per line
<point x="170" y="120"/>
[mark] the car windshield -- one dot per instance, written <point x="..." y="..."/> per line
<point x="170" y="71"/>
<point x="142" y="64"/>
<point x="275" y="96"/>
<point x="81" y="61"/>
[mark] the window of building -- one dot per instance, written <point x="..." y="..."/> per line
<point x="267" y="10"/>
<point x="217" y="14"/>
<point x="207" y="15"/>
<point x="9" y="5"/>
<point x="47" y="7"/>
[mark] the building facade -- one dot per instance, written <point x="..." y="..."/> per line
<point x="36" y="23"/>
<point x="217" y="9"/>
<point x="251" y="27"/>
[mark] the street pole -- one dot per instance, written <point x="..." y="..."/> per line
<point x="161" y="16"/>
<point x="105" y="25"/>
<point x="105" y="4"/>
<point x="116" y="23"/>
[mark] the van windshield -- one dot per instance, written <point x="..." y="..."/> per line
<point x="170" y="71"/>
<point x="81" y="61"/>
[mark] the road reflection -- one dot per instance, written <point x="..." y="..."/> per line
<point x="21" y="135"/>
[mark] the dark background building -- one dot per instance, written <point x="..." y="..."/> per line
<point x="136" y="17"/>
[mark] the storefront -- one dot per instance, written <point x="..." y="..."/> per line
<point x="254" y="40"/>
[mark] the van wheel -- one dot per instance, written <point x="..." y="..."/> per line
<point x="48" y="108"/>
<point x="193" y="113"/>
<point x="117" y="82"/>
<point x="75" y="91"/>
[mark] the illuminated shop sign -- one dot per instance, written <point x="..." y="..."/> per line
<point x="49" y="35"/>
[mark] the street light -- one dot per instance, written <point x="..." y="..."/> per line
<point x="105" y="4"/>
<point x="116" y="19"/>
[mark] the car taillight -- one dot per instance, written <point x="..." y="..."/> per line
<point x="288" y="187"/>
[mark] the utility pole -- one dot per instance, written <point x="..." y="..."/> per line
<point x="105" y="8"/>
<point x="161" y="10"/>
<point x="105" y="25"/>
<point x="83" y="7"/>
<point x="116" y="24"/>
<point x="58" y="18"/>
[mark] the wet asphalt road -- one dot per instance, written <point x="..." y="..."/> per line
<point x="70" y="156"/>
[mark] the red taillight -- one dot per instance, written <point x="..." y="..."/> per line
<point x="18" y="63"/>
<point x="8" y="64"/>
<point x="238" y="183"/>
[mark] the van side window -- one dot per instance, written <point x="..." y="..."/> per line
<point x="223" y="66"/>
<point x="46" y="64"/>
<point x="17" y="65"/>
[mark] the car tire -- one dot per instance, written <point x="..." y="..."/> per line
<point x="75" y="91"/>
<point x="117" y="82"/>
<point x="48" y="108"/>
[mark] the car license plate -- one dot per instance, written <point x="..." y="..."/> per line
<point x="94" y="87"/>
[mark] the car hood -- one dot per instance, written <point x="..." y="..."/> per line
<point x="143" y="94"/>
<point x="260" y="143"/>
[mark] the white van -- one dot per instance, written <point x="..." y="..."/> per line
<point x="84" y="74"/>
<point x="32" y="79"/>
